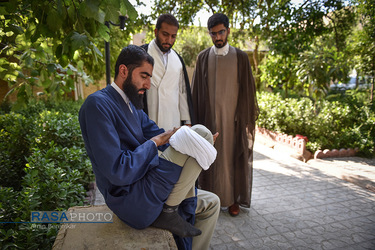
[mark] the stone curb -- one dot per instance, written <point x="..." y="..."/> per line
<point x="296" y="146"/>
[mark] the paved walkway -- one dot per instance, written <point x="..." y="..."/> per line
<point x="321" y="204"/>
<point x="297" y="205"/>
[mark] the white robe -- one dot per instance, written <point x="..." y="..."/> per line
<point x="167" y="98"/>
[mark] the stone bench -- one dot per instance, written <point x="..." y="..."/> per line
<point x="116" y="235"/>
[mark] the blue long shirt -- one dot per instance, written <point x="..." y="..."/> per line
<point x="134" y="181"/>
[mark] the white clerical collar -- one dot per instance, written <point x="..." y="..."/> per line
<point x="123" y="95"/>
<point x="221" y="51"/>
<point x="163" y="55"/>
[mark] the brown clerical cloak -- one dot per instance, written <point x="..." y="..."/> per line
<point x="246" y="113"/>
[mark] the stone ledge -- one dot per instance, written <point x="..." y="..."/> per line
<point x="293" y="146"/>
<point x="335" y="153"/>
<point x="296" y="146"/>
<point x="116" y="235"/>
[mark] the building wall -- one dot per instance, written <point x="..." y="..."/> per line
<point x="86" y="91"/>
<point x="4" y="88"/>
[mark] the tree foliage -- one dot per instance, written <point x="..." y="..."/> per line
<point x="190" y="42"/>
<point x="321" y="65"/>
<point x="279" y="72"/>
<point x="48" y="44"/>
<point x="363" y="40"/>
<point x="326" y="57"/>
<point x="288" y="29"/>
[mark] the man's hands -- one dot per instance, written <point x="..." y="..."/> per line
<point x="164" y="137"/>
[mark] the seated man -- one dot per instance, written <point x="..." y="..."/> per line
<point x="122" y="143"/>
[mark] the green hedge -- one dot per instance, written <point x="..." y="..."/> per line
<point x="339" y="121"/>
<point x="43" y="167"/>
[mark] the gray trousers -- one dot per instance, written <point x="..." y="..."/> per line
<point x="208" y="204"/>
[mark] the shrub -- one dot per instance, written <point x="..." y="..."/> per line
<point x="289" y="116"/>
<point x="57" y="127"/>
<point x="338" y="122"/>
<point x="55" y="184"/>
<point x="49" y="184"/>
<point x="15" y="130"/>
<point x="44" y="167"/>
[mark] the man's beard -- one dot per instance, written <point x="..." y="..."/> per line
<point x="160" y="46"/>
<point x="132" y="93"/>
<point x="224" y="42"/>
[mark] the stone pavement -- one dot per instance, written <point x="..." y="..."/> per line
<point x="297" y="205"/>
<point x="321" y="204"/>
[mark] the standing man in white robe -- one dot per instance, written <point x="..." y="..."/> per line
<point x="168" y="101"/>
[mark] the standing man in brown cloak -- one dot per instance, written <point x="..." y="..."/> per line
<point x="224" y="100"/>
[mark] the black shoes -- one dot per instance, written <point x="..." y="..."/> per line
<point x="170" y="220"/>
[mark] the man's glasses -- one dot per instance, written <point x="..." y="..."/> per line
<point x="220" y="32"/>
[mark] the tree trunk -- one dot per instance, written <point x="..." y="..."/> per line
<point x="357" y="80"/>
<point x="256" y="63"/>
<point x="372" y="90"/>
<point x="286" y="89"/>
<point x="373" y="81"/>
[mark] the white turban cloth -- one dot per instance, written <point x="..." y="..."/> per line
<point x="196" y="142"/>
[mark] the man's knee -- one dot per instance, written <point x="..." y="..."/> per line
<point x="215" y="201"/>
<point x="208" y="201"/>
<point x="170" y="154"/>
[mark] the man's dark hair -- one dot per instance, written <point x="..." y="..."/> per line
<point x="216" y="19"/>
<point x="132" y="57"/>
<point x="166" y="18"/>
